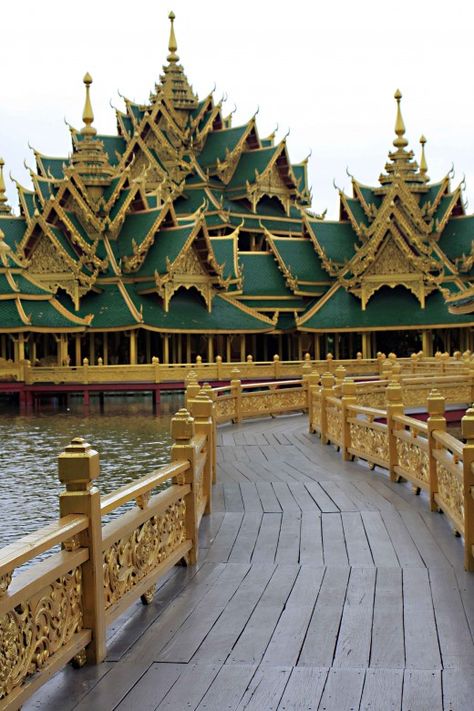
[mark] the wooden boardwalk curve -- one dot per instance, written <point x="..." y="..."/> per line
<point x="320" y="585"/>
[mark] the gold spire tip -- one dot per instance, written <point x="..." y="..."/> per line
<point x="88" y="114"/>
<point x="400" y="141"/>
<point x="172" y="44"/>
<point x="423" y="163"/>
<point x="3" y="197"/>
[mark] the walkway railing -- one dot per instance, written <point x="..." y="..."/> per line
<point x="58" y="609"/>
<point x="420" y="452"/>
<point x="156" y="372"/>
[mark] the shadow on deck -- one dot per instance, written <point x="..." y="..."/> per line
<point x="320" y="585"/>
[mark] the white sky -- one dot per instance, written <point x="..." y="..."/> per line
<point x="325" y="70"/>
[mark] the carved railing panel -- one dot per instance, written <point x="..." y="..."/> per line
<point x="334" y="421"/>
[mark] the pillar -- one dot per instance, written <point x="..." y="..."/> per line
<point x="91" y="349"/>
<point x="366" y="345"/>
<point x="78" y="353"/>
<point x="147" y="347"/>
<point x="317" y="347"/>
<point x="21" y="346"/>
<point x="166" y="348"/>
<point x="188" y="348"/>
<point x="105" y="354"/>
<point x="210" y="349"/>
<point x="242" y="348"/>
<point x="133" y="347"/>
<point x="426" y="340"/>
<point x="228" y="352"/>
<point x="180" y="348"/>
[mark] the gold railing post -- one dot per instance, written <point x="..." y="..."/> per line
<point x="276" y="366"/>
<point x="219" y="367"/>
<point x="436" y="421"/>
<point x="182" y="432"/>
<point x="327" y="383"/>
<point x="78" y="466"/>
<point x="27" y="375"/>
<point x="467" y="428"/>
<point x="192" y="387"/>
<point x="381" y="357"/>
<point x="471" y="379"/>
<point x="386" y="369"/>
<point x="236" y="391"/>
<point x="85" y="371"/>
<point x="201" y="408"/>
<point x="312" y="380"/>
<point x="329" y="362"/>
<point x="207" y="389"/>
<point x="394" y="404"/>
<point x="340" y="374"/>
<point x="413" y="362"/>
<point x="155" y="361"/>
<point x="348" y="398"/>
<point x="396" y="372"/>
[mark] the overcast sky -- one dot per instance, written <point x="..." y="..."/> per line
<point x="325" y="70"/>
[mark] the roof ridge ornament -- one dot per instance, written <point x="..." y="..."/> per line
<point x="400" y="141"/>
<point x="423" y="163"/>
<point x="4" y="206"/>
<point x="88" y="114"/>
<point x="172" y="58"/>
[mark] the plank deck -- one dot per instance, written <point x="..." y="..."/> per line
<point x="320" y="585"/>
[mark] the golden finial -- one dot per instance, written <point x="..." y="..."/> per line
<point x="423" y="163"/>
<point x="3" y="198"/>
<point x="88" y="114"/>
<point x="400" y="141"/>
<point x="172" y="44"/>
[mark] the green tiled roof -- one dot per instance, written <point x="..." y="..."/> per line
<point x="27" y="287"/>
<point x="249" y="162"/>
<point x="9" y="316"/>
<point x="387" y="308"/>
<point x="190" y="201"/>
<point x="217" y="142"/>
<point x="136" y="226"/>
<point x="224" y="251"/>
<point x="124" y="193"/>
<point x="262" y="276"/>
<point x="188" y="312"/>
<point x="168" y="244"/>
<point x="336" y="238"/>
<point x="45" y="187"/>
<point x="42" y="313"/>
<point x="286" y="322"/>
<point x="54" y="166"/>
<point x="108" y="307"/>
<point x="301" y="259"/>
<point x="112" y="146"/>
<point x="13" y="228"/>
<point x="276" y="304"/>
<point x="442" y="208"/>
<point x="357" y="211"/>
<point x="458" y="236"/>
<point x="368" y="195"/>
<point x="430" y="195"/>
<point x="31" y="201"/>
<point x="78" y="226"/>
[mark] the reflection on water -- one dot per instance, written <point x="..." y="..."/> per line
<point x="130" y="439"/>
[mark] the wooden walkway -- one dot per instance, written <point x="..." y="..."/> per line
<point x="320" y="585"/>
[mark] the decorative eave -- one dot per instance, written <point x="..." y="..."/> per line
<point x="332" y="268"/>
<point x="347" y="209"/>
<point x="133" y="262"/>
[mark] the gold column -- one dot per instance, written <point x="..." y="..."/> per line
<point x="91" y="349"/>
<point x="300" y="346"/>
<point x="166" y="348"/>
<point x="33" y="349"/>
<point x="105" y="354"/>
<point x="133" y="347"/>
<point x="280" y="345"/>
<point x="265" y="349"/>
<point x="336" y="346"/>
<point x="21" y="346"/>
<point x="242" y="348"/>
<point x="254" y="347"/>
<point x="366" y="345"/>
<point x="426" y="341"/>
<point x="180" y="348"/>
<point x="77" y="339"/>
<point x="228" y="349"/>
<point x="188" y="348"/>
<point x="147" y="347"/>
<point x="210" y="349"/>
<point x="317" y="347"/>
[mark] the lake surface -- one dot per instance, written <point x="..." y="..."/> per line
<point x="131" y="442"/>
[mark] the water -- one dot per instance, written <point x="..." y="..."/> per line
<point x="131" y="442"/>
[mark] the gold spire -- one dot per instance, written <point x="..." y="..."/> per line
<point x="4" y="207"/>
<point x="423" y="163"/>
<point x="400" y="141"/>
<point x="172" y="44"/>
<point x="88" y="114"/>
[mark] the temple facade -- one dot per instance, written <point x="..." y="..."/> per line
<point x="183" y="235"/>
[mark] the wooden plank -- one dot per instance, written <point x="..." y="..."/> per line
<point x="254" y="639"/>
<point x="457" y="649"/>
<point x="353" y="643"/>
<point x="232" y="497"/>
<point x="250" y="497"/>
<point x="222" y="545"/>
<point x="386" y="488"/>
<point x="304" y="689"/>
<point x="382" y="690"/>
<point x="422" y="690"/>
<point x="220" y="640"/>
<point x="265" y="689"/>
<point x="324" y="503"/>
<point x="323" y="629"/>
<point x="363" y="501"/>
<point x="290" y="632"/>
<point x="66" y="688"/>
<point x="428" y="548"/>
<point x="372" y="496"/>
<point x="302" y="496"/>
<point x="343" y="690"/>
<point x="151" y="689"/>
<point x="337" y="495"/>
<point x="218" y="503"/>
<point x="192" y="632"/>
<point x="246" y="538"/>
<point x="388" y="647"/>
<point x="421" y="640"/>
<point x="267" y="539"/>
<point x="407" y="552"/>
<point x="458" y="689"/>
<point x="383" y="552"/>
<point x="288" y="549"/>
<point x="228" y="688"/>
<point x="357" y="546"/>
<point x="311" y="544"/>
<point x="285" y="497"/>
<point x="334" y="546"/>
<point x="191" y="687"/>
<point x="269" y="501"/>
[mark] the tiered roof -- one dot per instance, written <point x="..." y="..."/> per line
<point x="184" y="222"/>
